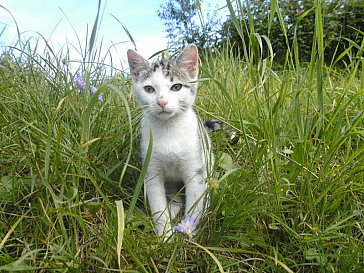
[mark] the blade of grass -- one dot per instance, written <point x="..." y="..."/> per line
<point x="11" y="230"/>
<point x="121" y="228"/>
<point x="141" y="178"/>
<point x="216" y="260"/>
<point x="126" y="31"/>
<point x="319" y="35"/>
<point x="130" y="125"/>
<point x="94" y="30"/>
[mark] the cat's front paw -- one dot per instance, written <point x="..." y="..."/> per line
<point x="167" y="236"/>
<point x="164" y="232"/>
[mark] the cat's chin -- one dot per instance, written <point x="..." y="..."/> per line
<point x="164" y="115"/>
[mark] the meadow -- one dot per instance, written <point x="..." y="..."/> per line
<point x="286" y="197"/>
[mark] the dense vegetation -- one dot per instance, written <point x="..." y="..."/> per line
<point x="283" y="22"/>
<point x="287" y="197"/>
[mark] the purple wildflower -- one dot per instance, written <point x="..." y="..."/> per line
<point x="94" y="90"/>
<point x="80" y="82"/>
<point x="186" y="226"/>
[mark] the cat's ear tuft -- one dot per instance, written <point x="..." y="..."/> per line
<point x="188" y="59"/>
<point x="136" y="64"/>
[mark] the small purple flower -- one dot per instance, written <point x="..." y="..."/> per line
<point x="80" y="82"/>
<point x="186" y="226"/>
<point x="94" y="90"/>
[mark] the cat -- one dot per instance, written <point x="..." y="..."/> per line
<point x="181" y="156"/>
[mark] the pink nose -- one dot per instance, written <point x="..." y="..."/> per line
<point x="162" y="103"/>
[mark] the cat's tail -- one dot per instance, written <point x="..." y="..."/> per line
<point x="215" y="125"/>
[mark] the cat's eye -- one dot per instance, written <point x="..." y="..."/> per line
<point x="176" y="87"/>
<point x="149" y="89"/>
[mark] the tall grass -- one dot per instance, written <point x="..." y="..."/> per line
<point x="287" y="197"/>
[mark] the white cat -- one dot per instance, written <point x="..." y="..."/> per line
<point x="180" y="160"/>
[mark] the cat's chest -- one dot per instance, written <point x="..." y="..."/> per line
<point x="175" y="142"/>
<point x="175" y="148"/>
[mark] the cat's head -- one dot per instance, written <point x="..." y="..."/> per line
<point x="166" y="88"/>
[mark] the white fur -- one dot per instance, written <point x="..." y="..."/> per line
<point x="181" y="147"/>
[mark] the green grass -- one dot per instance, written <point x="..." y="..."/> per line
<point x="288" y="197"/>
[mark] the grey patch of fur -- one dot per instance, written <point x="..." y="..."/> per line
<point x="215" y="125"/>
<point x="169" y="69"/>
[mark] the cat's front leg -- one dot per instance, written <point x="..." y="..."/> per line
<point x="157" y="200"/>
<point x="196" y="190"/>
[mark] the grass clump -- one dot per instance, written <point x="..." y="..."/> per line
<point x="286" y="197"/>
<point x="294" y="190"/>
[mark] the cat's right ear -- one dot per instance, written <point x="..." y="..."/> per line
<point x="188" y="60"/>
<point x="136" y="64"/>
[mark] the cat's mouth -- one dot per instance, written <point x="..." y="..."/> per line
<point x="164" y="114"/>
<point x="164" y="111"/>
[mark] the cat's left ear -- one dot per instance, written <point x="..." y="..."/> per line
<point x="188" y="59"/>
<point x="136" y="64"/>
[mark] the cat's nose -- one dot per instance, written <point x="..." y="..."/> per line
<point x="162" y="103"/>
